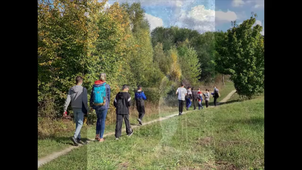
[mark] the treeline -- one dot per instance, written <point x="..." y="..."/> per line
<point x="86" y="38"/>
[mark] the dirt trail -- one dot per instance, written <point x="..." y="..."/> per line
<point x="227" y="97"/>
<point x="55" y="155"/>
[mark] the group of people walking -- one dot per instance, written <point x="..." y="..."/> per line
<point x="99" y="101"/>
<point x="190" y="96"/>
<point x="100" y="98"/>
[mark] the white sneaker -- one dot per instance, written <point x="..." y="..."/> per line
<point x="116" y="139"/>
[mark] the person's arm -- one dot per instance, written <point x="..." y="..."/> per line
<point x="144" y="96"/>
<point x="128" y="103"/>
<point x="85" y="99"/>
<point x="176" y="91"/>
<point x="67" y="101"/>
<point x="115" y="102"/>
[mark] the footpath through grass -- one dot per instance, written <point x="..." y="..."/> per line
<point x="62" y="140"/>
<point x="230" y="136"/>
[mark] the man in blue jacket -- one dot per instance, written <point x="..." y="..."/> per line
<point x="99" y="100"/>
<point x="140" y="104"/>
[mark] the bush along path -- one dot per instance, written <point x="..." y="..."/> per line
<point x="55" y="155"/>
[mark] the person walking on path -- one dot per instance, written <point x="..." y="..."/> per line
<point x="140" y="104"/>
<point x="181" y="92"/>
<point x="199" y="98"/>
<point x="206" y="97"/>
<point x="215" y="95"/>
<point x="99" y="101"/>
<point x="77" y="95"/>
<point x="194" y="95"/>
<point x="189" y="98"/>
<point x="122" y="103"/>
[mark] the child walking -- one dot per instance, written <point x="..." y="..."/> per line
<point x="199" y="97"/>
<point x="122" y="103"/>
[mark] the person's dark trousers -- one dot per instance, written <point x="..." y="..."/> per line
<point x="181" y="105"/>
<point x="207" y="103"/>
<point x="194" y="103"/>
<point x="141" y="112"/>
<point x="215" y="99"/>
<point x="119" y="123"/>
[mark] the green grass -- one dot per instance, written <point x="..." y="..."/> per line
<point x="62" y="140"/>
<point x="224" y="137"/>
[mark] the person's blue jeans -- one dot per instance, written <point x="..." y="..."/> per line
<point x="200" y="105"/>
<point x="78" y="119"/>
<point x="100" y="123"/>
<point x="188" y="103"/>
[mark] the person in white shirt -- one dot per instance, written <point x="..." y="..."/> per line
<point x="181" y="92"/>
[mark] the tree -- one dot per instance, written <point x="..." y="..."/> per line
<point x="240" y="53"/>
<point x="189" y="62"/>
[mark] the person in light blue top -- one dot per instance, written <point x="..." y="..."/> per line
<point x="140" y="104"/>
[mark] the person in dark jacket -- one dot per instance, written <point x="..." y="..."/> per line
<point x="100" y="109"/>
<point x="122" y="104"/>
<point x="140" y="104"/>
<point x="215" y="95"/>
<point x="194" y="96"/>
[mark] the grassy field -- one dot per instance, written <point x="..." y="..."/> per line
<point x="62" y="140"/>
<point x="230" y="136"/>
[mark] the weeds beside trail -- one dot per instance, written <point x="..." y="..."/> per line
<point x="230" y="136"/>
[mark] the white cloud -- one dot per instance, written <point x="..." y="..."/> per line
<point x="203" y="20"/>
<point x="154" y="21"/>
<point x="223" y="17"/>
<point x="236" y="3"/>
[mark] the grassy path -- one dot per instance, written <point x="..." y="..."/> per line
<point x="54" y="155"/>
<point x="230" y="136"/>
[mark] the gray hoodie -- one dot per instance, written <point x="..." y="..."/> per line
<point x="76" y="96"/>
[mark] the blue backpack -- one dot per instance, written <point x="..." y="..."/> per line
<point x="99" y="94"/>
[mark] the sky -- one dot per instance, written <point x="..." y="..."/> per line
<point x="200" y="15"/>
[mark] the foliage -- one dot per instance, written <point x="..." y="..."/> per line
<point x="240" y="53"/>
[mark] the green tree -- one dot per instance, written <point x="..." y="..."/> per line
<point x="241" y="54"/>
<point x="189" y="62"/>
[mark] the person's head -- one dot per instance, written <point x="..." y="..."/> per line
<point x="125" y="88"/>
<point x="207" y="90"/>
<point x="192" y="88"/>
<point x="139" y="87"/>
<point x="198" y="89"/>
<point x="182" y="84"/>
<point x="103" y="76"/>
<point x="79" y="80"/>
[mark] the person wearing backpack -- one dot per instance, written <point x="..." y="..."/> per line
<point x="77" y="95"/>
<point x="99" y="101"/>
<point x="215" y="95"/>
<point x="122" y="104"/>
<point x="140" y="104"/>
<point x="194" y="95"/>
<point x="199" y="98"/>
<point x="206" y="97"/>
